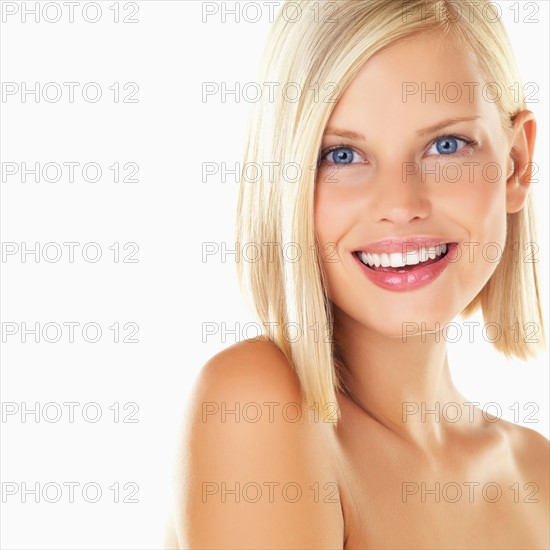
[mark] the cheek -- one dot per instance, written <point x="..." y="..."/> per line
<point x="334" y="213"/>
<point x="335" y="216"/>
<point x="477" y="204"/>
<point x="478" y="201"/>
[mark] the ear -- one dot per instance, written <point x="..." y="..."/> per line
<point x="520" y="161"/>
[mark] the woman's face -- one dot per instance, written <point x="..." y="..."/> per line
<point x="418" y="155"/>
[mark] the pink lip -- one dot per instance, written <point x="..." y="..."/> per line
<point x="402" y="245"/>
<point x="409" y="280"/>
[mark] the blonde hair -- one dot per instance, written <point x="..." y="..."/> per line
<point x="288" y="291"/>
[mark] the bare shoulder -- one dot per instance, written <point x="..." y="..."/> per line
<point x="254" y="471"/>
<point x="531" y="448"/>
<point x="250" y="382"/>
<point x="531" y="452"/>
<point x="260" y="361"/>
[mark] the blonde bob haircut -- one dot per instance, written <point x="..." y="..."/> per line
<point x="319" y="51"/>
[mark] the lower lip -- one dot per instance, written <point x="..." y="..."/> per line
<point x="409" y="280"/>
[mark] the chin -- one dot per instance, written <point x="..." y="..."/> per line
<point x="405" y="324"/>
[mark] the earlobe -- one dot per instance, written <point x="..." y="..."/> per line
<point x="520" y="167"/>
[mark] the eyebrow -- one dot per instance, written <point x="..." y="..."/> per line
<point x="344" y="133"/>
<point x="444" y="124"/>
<point x="430" y="129"/>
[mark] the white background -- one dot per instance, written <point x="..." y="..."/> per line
<point x="170" y="292"/>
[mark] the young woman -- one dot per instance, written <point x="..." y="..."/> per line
<point x="341" y="427"/>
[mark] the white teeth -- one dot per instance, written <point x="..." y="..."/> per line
<point x="396" y="259"/>
<point x="399" y="259"/>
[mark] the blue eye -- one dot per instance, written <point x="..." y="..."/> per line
<point x="447" y="145"/>
<point x="340" y="155"/>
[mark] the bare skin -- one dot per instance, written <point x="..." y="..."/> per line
<point x="371" y="466"/>
<point x="385" y="467"/>
<point x="292" y="496"/>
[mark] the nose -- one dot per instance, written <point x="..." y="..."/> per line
<point x="399" y="198"/>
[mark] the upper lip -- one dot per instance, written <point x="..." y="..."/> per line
<point x="409" y="244"/>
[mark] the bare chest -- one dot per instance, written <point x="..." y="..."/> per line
<point x="437" y="511"/>
<point x="392" y="498"/>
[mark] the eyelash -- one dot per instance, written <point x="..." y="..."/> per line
<point x="466" y="150"/>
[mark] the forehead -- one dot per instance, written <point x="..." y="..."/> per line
<point x="423" y="76"/>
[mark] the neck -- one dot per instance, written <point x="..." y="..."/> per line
<point x="399" y="383"/>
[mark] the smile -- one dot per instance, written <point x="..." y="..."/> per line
<point x="400" y="271"/>
<point x="409" y="259"/>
